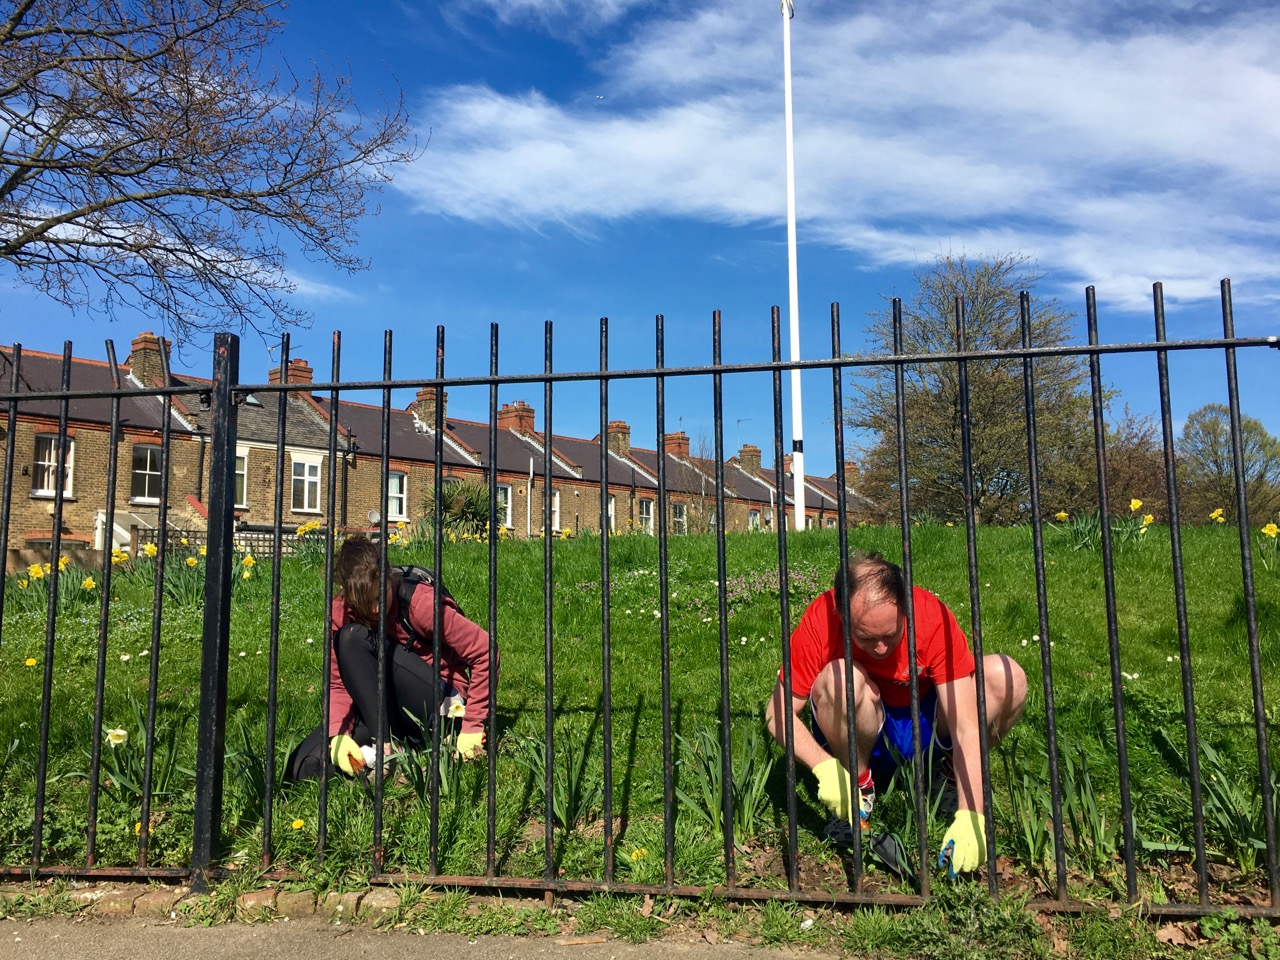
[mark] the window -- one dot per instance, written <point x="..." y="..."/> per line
<point x="242" y="477"/>
<point x="680" y="518"/>
<point x="306" y="486"/>
<point x="147" y="475"/>
<point x="753" y="520"/>
<point x="555" y="511"/>
<point x="397" y="486"/>
<point x="646" y="516"/>
<point x="611" y="511"/>
<point x="504" y="505"/>
<point x="45" y="468"/>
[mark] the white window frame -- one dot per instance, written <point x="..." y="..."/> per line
<point x="310" y="480"/>
<point x="504" y="504"/>
<point x="612" y="511"/>
<point x="44" y="470"/>
<point x="679" y="518"/>
<point x="645" y="514"/>
<point x="753" y="520"/>
<point x="397" y="501"/>
<point x="157" y="473"/>
<point x="555" y="511"/>
<point x="242" y="478"/>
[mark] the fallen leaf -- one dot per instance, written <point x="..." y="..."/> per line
<point x="1175" y="935"/>
<point x="647" y="909"/>
<point x="710" y="936"/>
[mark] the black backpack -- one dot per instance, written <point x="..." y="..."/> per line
<point x="410" y="577"/>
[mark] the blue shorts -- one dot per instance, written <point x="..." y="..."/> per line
<point x="894" y="743"/>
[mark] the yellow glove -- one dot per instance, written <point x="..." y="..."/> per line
<point x="346" y="754"/>
<point x="964" y="846"/>
<point x="835" y="789"/>
<point x="470" y="745"/>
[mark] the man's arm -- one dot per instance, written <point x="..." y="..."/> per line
<point x="806" y="747"/>
<point x="958" y="711"/>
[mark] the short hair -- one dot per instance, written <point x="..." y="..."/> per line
<point x="359" y="576"/>
<point x="868" y="572"/>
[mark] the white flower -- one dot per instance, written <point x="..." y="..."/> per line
<point x="1024" y="643"/>
<point x="124" y="658"/>
<point x="743" y="641"/>
<point x="117" y="737"/>
<point x="309" y="640"/>
<point x="657" y="613"/>
<point x="628" y="613"/>
<point x="1168" y="659"/>
<point x="457" y="708"/>
<point x="242" y="653"/>
<point x="1035" y="638"/>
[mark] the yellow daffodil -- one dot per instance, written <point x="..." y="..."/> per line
<point x="46" y="568"/>
<point x="1216" y="514"/>
<point x="1271" y="530"/>
<point x="184" y="541"/>
<point x="192" y="561"/>
<point x="1221" y="519"/>
<point x="1135" y="505"/>
<point x="62" y="564"/>
<point x="203" y="550"/>
<point x="88" y="584"/>
<point x="22" y="584"/>
<point x="246" y="575"/>
<point x="299" y="824"/>
<point x="248" y="561"/>
<point x="638" y="854"/>
<point x="1148" y="519"/>
<point x="137" y="828"/>
<point x="117" y="737"/>
<point x="1142" y="529"/>
<point x="30" y="661"/>
<point x="1062" y="515"/>
<point x="150" y="550"/>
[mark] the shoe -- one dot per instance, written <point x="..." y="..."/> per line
<point x="840" y="832"/>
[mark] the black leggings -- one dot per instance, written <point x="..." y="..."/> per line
<point x="412" y="685"/>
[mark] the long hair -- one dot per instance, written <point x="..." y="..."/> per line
<point x="357" y="572"/>
<point x="870" y="573"/>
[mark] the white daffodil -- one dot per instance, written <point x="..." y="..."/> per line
<point x="117" y="737"/>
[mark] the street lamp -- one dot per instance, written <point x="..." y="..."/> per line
<point x="797" y="432"/>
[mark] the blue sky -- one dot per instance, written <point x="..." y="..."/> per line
<point x="623" y="158"/>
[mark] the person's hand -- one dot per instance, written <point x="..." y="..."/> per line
<point x="346" y="754"/>
<point x="835" y="789"/>
<point x="470" y="745"/>
<point x="964" y="845"/>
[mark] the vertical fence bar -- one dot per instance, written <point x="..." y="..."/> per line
<point x="331" y="532"/>
<point x="842" y="585"/>
<point x="219" y="564"/>
<point x="1180" y="600"/>
<point x="158" y="596"/>
<point x="784" y="612"/>
<point x="975" y="599"/>
<point x="382" y="735"/>
<point x="1250" y="600"/>
<point x="491" y="723"/>
<point x="437" y="609"/>
<point x="1108" y="570"/>
<point x="273" y="653"/>
<point x="51" y="616"/>
<point x="664" y="625"/>
<point x="904" y="514"/>
<point x="606" y="643"/>
<point x="722" y="573"/>
<point x="1042" y="602"/>
<point x="15" y="375"/>
<point x="104" y="612"/>
<point x="549" y="719"/>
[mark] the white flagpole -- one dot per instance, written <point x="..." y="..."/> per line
<point x="797" y="433"/>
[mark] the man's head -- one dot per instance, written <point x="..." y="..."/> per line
<point x="356" y="570"/>
<point x="874" y="592"/>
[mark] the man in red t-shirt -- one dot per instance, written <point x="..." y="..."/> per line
<point x="882" y="699"/>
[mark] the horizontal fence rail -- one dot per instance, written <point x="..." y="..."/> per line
<point x="637" y="759"/>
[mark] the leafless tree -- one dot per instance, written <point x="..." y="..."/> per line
<point x="150" y="160"/>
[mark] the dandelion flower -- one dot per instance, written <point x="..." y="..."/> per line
<point x="299" y="824"/>
<point x="150" y="550"/>
<point x="88" y="584"/>
<point x="1135" y="505"/>
<point x="117" y="737"/>
<point x="192" y="561"/>
<point x="1062" y="515"/>
<point x="30" y="661"/>
<point x="638" y="854"/>
<point x="137" y="828"/>
<point x="1271" y="530"/>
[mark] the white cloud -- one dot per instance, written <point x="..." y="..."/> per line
<point x="1122" y="143"/>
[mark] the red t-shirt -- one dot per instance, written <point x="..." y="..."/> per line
<point x="942" y="650"/>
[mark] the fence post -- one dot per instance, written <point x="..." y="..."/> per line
<point x="219" y="564"/>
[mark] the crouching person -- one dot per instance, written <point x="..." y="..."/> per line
<point x="464" y="677"/>
<point x="876" y="591"/>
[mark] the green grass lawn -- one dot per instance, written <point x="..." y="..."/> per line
<point x="1147" y="639"/>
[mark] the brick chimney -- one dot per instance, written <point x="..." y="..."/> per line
<point x="299" y="372"/>
<point x="749" y="458"/>
<point x="676" y="444"/>
<point x="851" y="474"/>
<point x="424" y="405"/>
<point x="516" y="416"/>
<point x="620" y="437"/>
<point x="786" y="464"/>
<point x="145" y="359"/>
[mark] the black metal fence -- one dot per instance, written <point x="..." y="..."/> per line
<point x="208" y="849"/>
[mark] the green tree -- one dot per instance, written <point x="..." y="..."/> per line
<point x="464" y="507"/>
<point x="990" y="287"/>
<point x="1206" y="475"/>
<point x="151" y="161"/>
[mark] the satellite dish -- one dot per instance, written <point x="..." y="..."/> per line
<point x="374" y="517"/>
